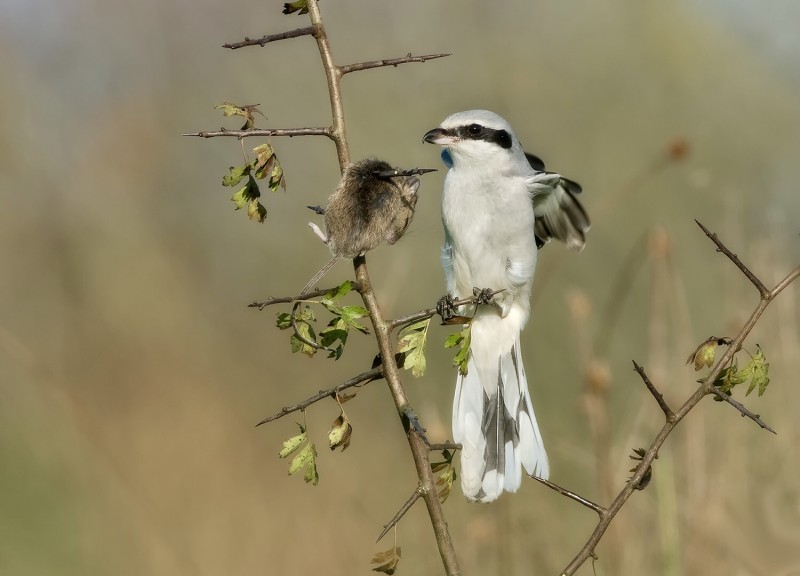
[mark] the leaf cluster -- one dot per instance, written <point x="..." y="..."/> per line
<point x="334" y="336"/>
<point x="265" y="166"/>
<point x="446" y="474"/>
<point x="305" y="456"/>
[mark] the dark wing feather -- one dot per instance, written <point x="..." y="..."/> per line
<point x="559" y="214"/>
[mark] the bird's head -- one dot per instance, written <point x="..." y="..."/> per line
<point x="476" y="138"/>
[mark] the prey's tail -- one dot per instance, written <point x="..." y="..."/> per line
<point x="492" y="413"/>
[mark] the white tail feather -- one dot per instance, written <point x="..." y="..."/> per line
<point x="493" y="417"/>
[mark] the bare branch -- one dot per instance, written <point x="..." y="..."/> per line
<point x="762" y="290"/>
<point x="741" y="408"/>
<point x="361" y="379"/>
<point x="400" y="513"/>
<point x="308" y="31"/>
<point x="290" y="132"/>
<point x="668" y="413"/>
<point x="357" y="67"/>
<point x="572" y="495"/>
<point x="791" y="277"/>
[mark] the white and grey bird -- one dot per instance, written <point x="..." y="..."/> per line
<point x="499" y="207"/>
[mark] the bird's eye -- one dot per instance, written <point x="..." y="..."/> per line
<point x="474" y="129"/>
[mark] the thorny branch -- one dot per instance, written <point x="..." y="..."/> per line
<point x="400" y="513"/>
<point x="741" y="408"/>
<point x="668" y="413"/>
<point x="706" y="387"/>
<point x="360" y="380"/>
<point x="299" y="298"/>
<point x="307" y="31"/>
<point x="382" y="328"/>
<point x="290" y="132"/>
<point x="357" y="67"/>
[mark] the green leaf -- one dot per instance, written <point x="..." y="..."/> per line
<point x="412" y="343"/>
<point x="352" y="313"/>
<point x="387" y="560"/>
<point x="342" y="290"/>
<point x="340" y="432"/>
<point x="235" y="175"/>
<point x="461" y="339"/>
<point x="337" y="330"/>
<point x="760" y="373"/>
<point x="300" y="6"/>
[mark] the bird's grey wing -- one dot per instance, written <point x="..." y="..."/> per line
<point x="559" y="214"/>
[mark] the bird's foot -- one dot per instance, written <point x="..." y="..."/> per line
<point x="486" y="296"/>
<point x="445" y="307"/>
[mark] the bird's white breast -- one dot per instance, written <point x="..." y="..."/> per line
<point x="489" y="220"/>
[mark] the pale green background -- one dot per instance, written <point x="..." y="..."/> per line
<point x="132" y="372"/>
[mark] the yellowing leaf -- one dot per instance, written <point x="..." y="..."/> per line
<point x="303" y="458"/>
<point x="256" y="211"/>
<point x="412" y="345"/>
<point x="292" y="444"/>
<point x="246" y="111"/>
<point x="387" y="560"/>
<point x="705" y="353"/>
<point x="340" y="432"/>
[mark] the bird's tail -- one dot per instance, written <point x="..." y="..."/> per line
<point x="492" y="413"/>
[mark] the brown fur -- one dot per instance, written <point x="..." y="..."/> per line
<point x="366" y="209"/>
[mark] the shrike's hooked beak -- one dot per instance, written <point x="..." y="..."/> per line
<point x="439" y="136"/>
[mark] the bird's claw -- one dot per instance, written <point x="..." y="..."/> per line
<point x="445" y="307"/>
<point x="412" y="424"/>
<point x="483" y="295"/>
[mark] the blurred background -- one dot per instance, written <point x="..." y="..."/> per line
<point x="132" y="372"/>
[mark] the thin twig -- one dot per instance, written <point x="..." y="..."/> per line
<point x="358" y="66"/>
<point x="572" y="495"/>
<point x="444" y="446"/>
<point x="308" y="31"/>
<point x="290" y="132"/>
<point x="762" y="290"/>
<point x="668" y="413"/>
<point x="402" y="512"/>
<point x="300" y="297"/>
<point x="741" y="408"/>
<point x="363" y="378"/>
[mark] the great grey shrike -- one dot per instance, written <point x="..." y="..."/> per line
<point x="498" y="207"/>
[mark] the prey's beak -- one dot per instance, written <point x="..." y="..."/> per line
<point x="438" y="136"/>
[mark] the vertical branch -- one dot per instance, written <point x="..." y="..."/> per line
<point x="334" y="77"/>
<point x="419" y="449"/>
<point x="383" y="328"/>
